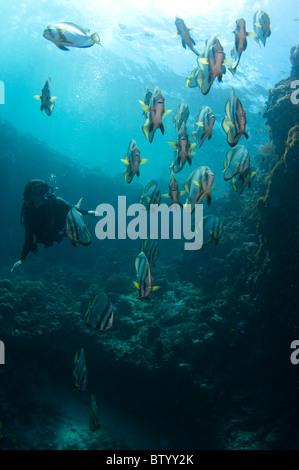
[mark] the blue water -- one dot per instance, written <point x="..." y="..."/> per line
<point x="189" y="367"/>
<point x="97" y="110"/>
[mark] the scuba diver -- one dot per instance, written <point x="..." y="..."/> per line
<point x="48" y="218"/>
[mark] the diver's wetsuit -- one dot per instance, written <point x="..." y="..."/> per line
<point x="45" y="224"/>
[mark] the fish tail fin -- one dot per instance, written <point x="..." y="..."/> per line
<point x="246" y="135"/>
<point x="150" y="134"/>
<point x="208" y="198"/>
<point x="96" y="38"/>
<point x="37" y="97"/>
<point x="233" y="68"/>
<point x="162" y="128"/>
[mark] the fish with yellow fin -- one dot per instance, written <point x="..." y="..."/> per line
<point x="237" y="168"/>
<point x="144" y="280"/>
<point x="181" y="115"/>
<point x="70" y="35"/>
<point x="155" y="113"/>
<point x="234" y="122"/>
<point x="211" y="64"/>
<point x="198" y="186"/>
<point x="47" y="101"/>
<point x="132" y="161"/>
<point x="261" y="26"/>
<point x="240" y="43"/>
<point x="183" y="150"/>
<point x="183" y="31"/>
<point x="76" y="228"/>
<point x="174" y="192"/>
<point x="204" y="123"/>
<point x="150" y="195"/>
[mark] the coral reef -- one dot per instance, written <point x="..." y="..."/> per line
<point x="281" y="113"/>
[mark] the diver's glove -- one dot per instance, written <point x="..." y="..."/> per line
<point x="17" y="263"/>
<point x="93" y="213"/>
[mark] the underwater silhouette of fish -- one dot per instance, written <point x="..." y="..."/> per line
<point x="234" y="122"/>
<point x="183" y="150"/>
<point x="204" y="123"/>
<point x="198" y="186"/>
<point x="240" y="43"/>
<point x="174" y="192"/>
<point x="261" y="26"/>
<point x="192" y="80"/>
<point x="150" y="195"/>
<point x="144" y="281"/>
<point x="243" y="180"/>
<point x="237" y="161"/>
<point x="151" y="250"/>
<point x="70" y="35"/>
<point x="155" y="113"/>
<point x="183" y="31"/>
<point x="47" y="101"/>
<point x="80" y="372"/>
<point x="76" y="228"/>
<point x="100" y="312"/>
<point x="181" y="115"/>
<point x="94" y="422"/>
<point x="211" y="229"/>
<point x="132" y="161"/>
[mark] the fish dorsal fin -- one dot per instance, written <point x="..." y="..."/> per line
<point x="78" y="205"/>
<point x="84" y="30"/>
